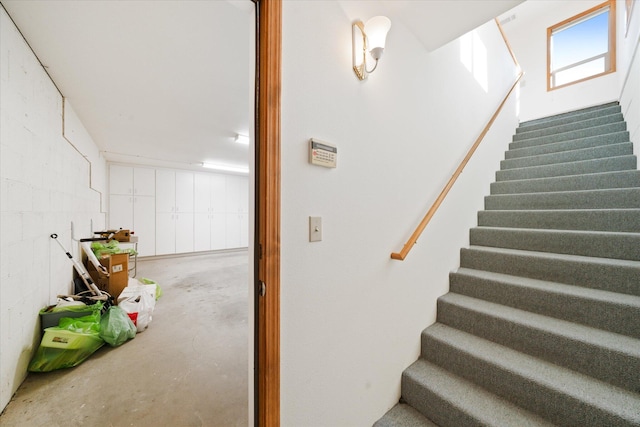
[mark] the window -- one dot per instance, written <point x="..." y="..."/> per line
<point x="582" y="47"/>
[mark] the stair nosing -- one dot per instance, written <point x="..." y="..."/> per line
<point x="545" y="374"/>
<point x="592" y="294"/>
<point x="574" y="122"/>
<point x="617" y="145"/>
<point x="561" y="328"/>
<point x="479" y="395"/>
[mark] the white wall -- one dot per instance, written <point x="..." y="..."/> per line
<point x="629" y="70"/>
<point x="44" y="188"/>
<point x="351" y="317"/>
<point x="528" y="37"/>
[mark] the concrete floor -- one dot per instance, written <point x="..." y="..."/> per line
<point x="189" y="368"/>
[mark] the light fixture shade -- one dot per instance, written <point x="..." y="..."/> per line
<point x="376" y="30"/>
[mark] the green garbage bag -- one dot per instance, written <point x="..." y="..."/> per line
<point x="68" y="344"/>
<point x="108" y="248"/>
<point x="152" y="282"/>
<point x="116" y="327"/>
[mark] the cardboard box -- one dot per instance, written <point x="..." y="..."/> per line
<point x="118" y="267"/>
<point x="119" y="235"/>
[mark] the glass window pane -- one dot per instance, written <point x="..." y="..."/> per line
<point x="581" y="41"/>
<point x="582" y="71"/>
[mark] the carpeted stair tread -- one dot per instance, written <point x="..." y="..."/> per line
<point x="559" y="394"/>
<point x="592" y="181"/>
<point x="602" y="244"/>
<point x="574" y="125"/>
<point x="569" y="118"/>
<point x="403" y="415"/>
<point x="569" y="115"/>
<point x="573" y="144"/>
<point x="541" y="324"/>
<point x="604" y="355"/>
<point x="609" y="164"/>
<point x="611" y="198"/>
<point x="452" y="401"/>
<point x="620" y="220"/>
<point x="597" y="273"/>
<point x="588" y="153"/>
<point x="567" y="136"/>
<point x="610" y="311"/>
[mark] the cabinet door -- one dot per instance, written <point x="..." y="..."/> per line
<point x="202" y="231"/>
<point x="120" y="179"/>
<point x="144" y="224"/>
<point x="218" y="231"/>
<point x="218" y="193"/>
<point x="244" y="195"/>
<point x="233" y="194"/>
<point x="165" y="191"/>
<point x="184" y="232"/>
<point x="144" y="182"/>
<point x="202" y="193"/>
<point x="165" y="233"/>
<point x="120" y="211"/>
<point x="233" y="230"/>
<point x="184" y="192"/>
<point x="244" y="230"/>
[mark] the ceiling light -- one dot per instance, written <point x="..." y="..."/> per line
<point x="369" y="39"/>
<point x="226" y="168"/>
<point x="242" y="139"/>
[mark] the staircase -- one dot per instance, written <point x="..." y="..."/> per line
<point x="541" y="326"/>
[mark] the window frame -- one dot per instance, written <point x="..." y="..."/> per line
<point x="611" y="5"/>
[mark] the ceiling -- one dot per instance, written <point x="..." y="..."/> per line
<point x="171" y="82"/>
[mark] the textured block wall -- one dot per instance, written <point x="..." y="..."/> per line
<point x="44" y="189"/>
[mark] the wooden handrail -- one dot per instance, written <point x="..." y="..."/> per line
<point x="431" y="212"/>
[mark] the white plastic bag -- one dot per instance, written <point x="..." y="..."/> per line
<point x="139" y="303"/>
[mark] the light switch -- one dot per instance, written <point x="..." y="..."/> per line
<point x="315" y="228"/>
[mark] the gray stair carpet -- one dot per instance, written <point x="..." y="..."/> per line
<point x="541" y="325"/>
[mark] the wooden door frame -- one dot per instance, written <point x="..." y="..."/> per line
<point x="267" y="226"/>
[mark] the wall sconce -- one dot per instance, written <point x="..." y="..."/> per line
<point x="368" y="39"/>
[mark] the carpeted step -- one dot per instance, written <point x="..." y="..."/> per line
<point x="569" y="115"/>
<point x="603" y="244"/>
<point x="615" y="198"/>
<point x="618" y="179"/>
<point x="611" y="150"/>
<point x="609" y="311"/>
<point x="568" y="136"/>
<point x="451" y="401"/>
<point x="609" y="357"/>
<point x="574" y="144"/>
<point x="403" y="415"/>
<point x="569" y="118"/>
<point x="617" y="220"/>
<point x="567" y="127"/>
<point x="597" y="273"/>
<point x="558" y="394"/>
<point x="611" y="164"/>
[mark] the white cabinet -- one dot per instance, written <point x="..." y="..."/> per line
<point x="132" y="204"/>
<point x="174" y="212"/>
<point x="237" y="212"/>
<point x="131" y="180"/>
<point x="210" y="216"/>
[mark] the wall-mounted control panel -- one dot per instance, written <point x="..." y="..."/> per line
<point x="322" y="153"/>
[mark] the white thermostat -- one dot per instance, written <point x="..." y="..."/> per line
<point x="322" y="153"/>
